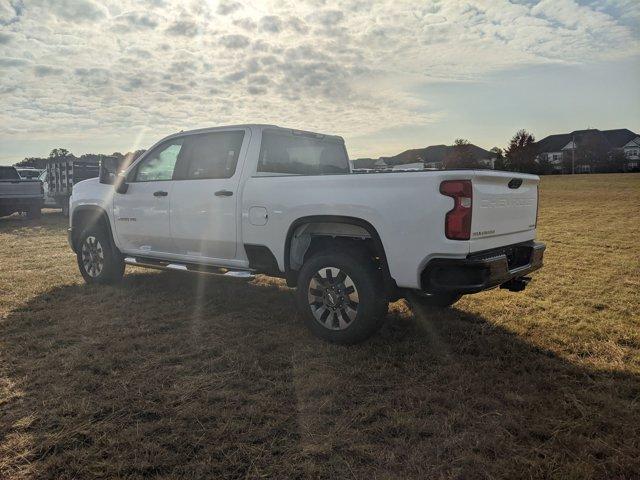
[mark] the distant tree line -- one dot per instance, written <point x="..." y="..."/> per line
<point x="519" y="156"/>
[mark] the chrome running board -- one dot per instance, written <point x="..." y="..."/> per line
<point x="192" y="268"/>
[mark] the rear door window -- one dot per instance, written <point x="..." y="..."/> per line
<point x="210" y="155"/>
<point x="301" y="154"/>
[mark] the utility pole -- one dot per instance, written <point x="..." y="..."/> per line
<point x="573" y="155"/>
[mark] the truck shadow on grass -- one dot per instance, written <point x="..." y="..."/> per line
<point x="168" y="375"/>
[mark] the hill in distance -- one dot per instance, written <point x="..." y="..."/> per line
<point x="431" y="154"/>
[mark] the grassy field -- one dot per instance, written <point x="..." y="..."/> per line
<point x="169" y="375"/>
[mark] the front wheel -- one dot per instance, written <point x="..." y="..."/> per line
<point x="98" y="260"/>
<point x="341" y="297"/>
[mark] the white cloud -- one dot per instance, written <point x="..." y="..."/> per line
<point x="83" y="67"/>
<point x="138" y="20"/>
<point x="225" y="7"/>
<point x="234" y="41"/>
<point x="73" y="10"/>
<point x="10" y="62"/>
<point x="271" y="23"/>
<point x="47" y="70"/>
<point x="185" y="28"/>
<point x="8" y="12"/>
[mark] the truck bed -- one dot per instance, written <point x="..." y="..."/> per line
<point x="20" y="189"/>
<point x="406" y="209"/>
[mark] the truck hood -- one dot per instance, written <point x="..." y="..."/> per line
<point x="88" y="183"/>
<point x="91" y="191"/>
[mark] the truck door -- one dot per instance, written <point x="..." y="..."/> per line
<point x="205" y="200"/>
<point x="142" y="213"/>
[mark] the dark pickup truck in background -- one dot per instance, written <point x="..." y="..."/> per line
<point x="19" y="195"/>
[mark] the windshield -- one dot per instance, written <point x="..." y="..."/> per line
<point x="28" y="173"/>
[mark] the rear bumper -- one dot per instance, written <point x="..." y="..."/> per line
<point x="482" y="270"/>
<point x="18" y="202"/>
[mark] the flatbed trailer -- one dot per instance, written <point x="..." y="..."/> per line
<point x="63" y="174"/>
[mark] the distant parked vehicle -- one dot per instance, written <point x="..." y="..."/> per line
<point x="28" y="173"/>
<point x="63" y="174"/>
<point x="19" y="195"/>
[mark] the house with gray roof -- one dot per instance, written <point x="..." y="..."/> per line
<point x="560" y="149"/>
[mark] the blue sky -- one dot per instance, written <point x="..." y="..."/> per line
<point x="543" y="99"/>
<point x="111" y="76"/>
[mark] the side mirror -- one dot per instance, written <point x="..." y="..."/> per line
<point x="108" y="171"/>
<point x="121" y="184"/>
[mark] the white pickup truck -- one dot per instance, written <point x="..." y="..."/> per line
<point x="251" y="199"/>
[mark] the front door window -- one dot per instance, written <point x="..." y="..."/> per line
<point x="159" y="164"/>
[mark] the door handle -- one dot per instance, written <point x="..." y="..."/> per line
<point x="160" y="193"/>
<point x="223" y="193"/>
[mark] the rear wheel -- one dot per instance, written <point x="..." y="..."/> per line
<point x="341" y="297"/>
<point x="98" y="260"/>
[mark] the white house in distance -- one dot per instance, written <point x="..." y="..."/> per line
<point x="632" y="153"/>
<point x="556" y="147"/>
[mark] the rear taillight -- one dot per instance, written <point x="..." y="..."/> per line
<point x="457" y="223"/>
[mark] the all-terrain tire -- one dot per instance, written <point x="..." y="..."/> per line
<point x="98" y="259"/>
<point x="354" y="283"/>
<point x="442" y="300"/>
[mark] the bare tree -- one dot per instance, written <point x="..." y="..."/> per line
<point x="501" y="163"/>
<point x="59" y="153"/>
<point x="617" y="160"/>
<point x="592" y="151"/>
<point x="460" y="156"/>
<point x="545" y="167"/>
<point x="521" y="153"/>
<point x="129" y="158"/>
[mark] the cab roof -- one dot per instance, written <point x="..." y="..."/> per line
<point x="256" y="126"/>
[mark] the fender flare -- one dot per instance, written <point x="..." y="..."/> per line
<point x="291" y="275"/>
<point x="97" y="214"/>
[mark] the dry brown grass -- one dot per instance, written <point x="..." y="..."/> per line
<point x="173" y="376"/>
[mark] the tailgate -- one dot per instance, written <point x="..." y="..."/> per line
<point x="20" y="189"/>
<point x="505" y="205"/>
